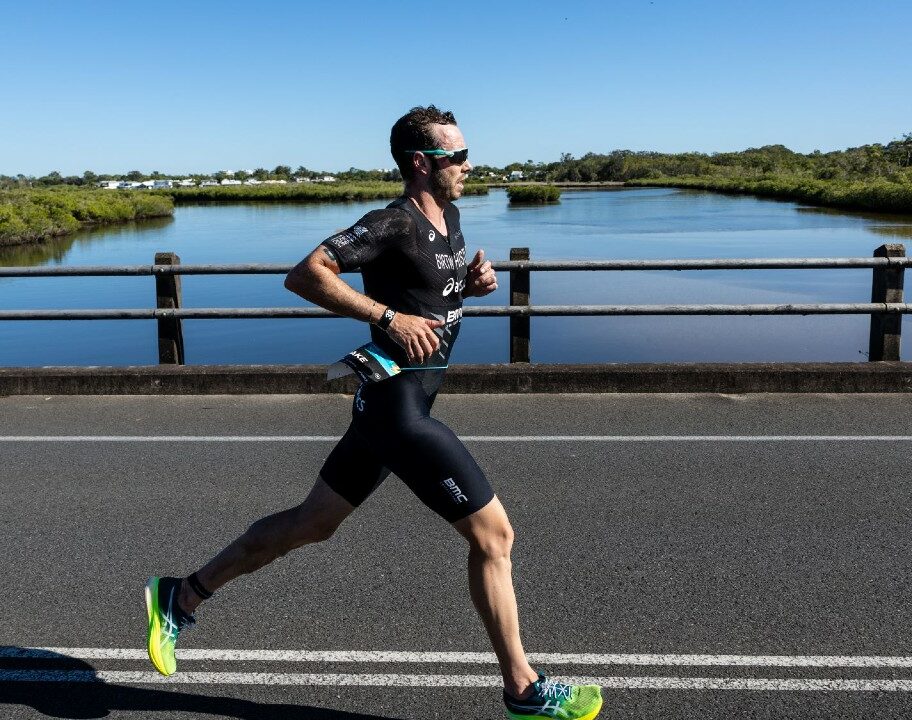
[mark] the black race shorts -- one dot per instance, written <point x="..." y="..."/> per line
<point x="392" y="430"/>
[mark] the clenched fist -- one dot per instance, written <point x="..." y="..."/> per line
<point x="416" y="336"/>
<point x="480" y="277"/>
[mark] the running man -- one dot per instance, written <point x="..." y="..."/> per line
<point x="413" y="260"/>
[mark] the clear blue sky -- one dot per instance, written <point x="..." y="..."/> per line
<point x="201" y="86"/>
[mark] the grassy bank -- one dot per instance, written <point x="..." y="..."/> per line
<point x="298" y="192"/>
<point x="873" y="195"/>
<point x="28" y="216"/>
<point x="34" y="215"/>
<point x="533" y="194"/>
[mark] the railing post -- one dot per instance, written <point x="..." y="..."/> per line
<point x="887" y="287"/>
<point x="168" y="296"/>
<point x="519" y="295"/>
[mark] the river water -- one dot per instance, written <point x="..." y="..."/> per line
<point x="635" y="223"/>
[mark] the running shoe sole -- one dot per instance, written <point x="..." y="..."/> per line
<point x="155" y="628"/>
<point x="588" y="716"/>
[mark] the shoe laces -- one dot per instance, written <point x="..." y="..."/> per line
<point x="174" y="628"/>
<point x="184" y="621"/>
<point x="552" y="689"/>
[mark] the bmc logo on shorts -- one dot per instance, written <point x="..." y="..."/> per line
<point x="450" y="485"/>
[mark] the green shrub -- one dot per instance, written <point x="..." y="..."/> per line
<point x="298" y="192"/>
<point x="475" y="188"/>
<point x="520" y="194"/>
<point x="35" y="215"/>
<point x="32" y="215"/>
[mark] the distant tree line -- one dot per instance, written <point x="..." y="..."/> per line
<point x="891" y="161"/>
<point x="280" y="172"/>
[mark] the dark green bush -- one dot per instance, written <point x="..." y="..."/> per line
<point x="32" y="215"/>
<point x="35" y="215"/>
<point x="533" y="194"/>
<point x="299" y="192"/>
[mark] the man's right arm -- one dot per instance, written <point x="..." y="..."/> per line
<point x="316" y="279"/>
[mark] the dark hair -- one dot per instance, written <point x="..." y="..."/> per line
<point x="413" y="132"/>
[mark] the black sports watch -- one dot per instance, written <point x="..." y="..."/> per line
<point x="386" y="318"/>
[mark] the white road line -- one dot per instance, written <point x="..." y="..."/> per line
<point x="689" y="438"/>
<point x="169" y="438"/>
<point x="398" y="680"/>
<point x="471" y="658"/>
<point x="467" y="438"/>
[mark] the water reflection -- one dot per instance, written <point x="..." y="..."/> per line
<point x="885" y="224"/>
<point x="867" y="215"/>
<point x="35" y="254"/>
<point x="55" y="250"/>
<point x="901" y="232"/>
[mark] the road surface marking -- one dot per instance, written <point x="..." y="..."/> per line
<point x="400" y="680"/>
<point x="408" y="656"/>
<point x="467" y="438"/>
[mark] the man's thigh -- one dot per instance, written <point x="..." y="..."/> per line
<point x="440" y="470"/>
<point x="352" y="469"/>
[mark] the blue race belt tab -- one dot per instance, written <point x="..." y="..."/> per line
<point x="368" y="362"/>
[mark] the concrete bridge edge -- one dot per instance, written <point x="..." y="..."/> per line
<point x="863" y="377"/>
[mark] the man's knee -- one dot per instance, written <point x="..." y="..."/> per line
<point x="318" y="517"/>
<point x="488" y="531"/>
<point x="310" y="527"/>
<point x="318" y="530"/>
<point x="279" y="534"/>
<point x="493" y="541"/>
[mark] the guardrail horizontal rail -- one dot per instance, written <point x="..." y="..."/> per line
<point x="505" y="265"/>
<point x="886" y="308"/>
<point x="483" y="311"/>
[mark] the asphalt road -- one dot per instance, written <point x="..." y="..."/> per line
<point x="758" y="570"/>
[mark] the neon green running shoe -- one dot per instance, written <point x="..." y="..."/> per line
<point x="551" y="699"/>
<point x="166" y="620"/>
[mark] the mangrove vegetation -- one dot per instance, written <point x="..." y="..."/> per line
<point x="533" y="194"/>
<point x="35" y="215"/>
<point x="298" y="192"/>
<point x="876" y="177"/>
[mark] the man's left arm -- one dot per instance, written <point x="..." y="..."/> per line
<point x="480" y="277"/>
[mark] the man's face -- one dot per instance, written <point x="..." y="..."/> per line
<point x="447" y="178"/>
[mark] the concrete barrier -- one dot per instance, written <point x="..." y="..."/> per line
<point x="865" y="377"/>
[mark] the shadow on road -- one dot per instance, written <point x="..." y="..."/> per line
<point x="89" y="698"/>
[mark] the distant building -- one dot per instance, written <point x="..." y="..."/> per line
<point x="209" y="183"/>
<point x="108" y="184"/>
<point x="328" y="178"/>
<point x="162" y="184"/>
<point x="252" y="181"/>
<point x="229" y="181"/>
<point x="302" y="180"/>
<point x="516" y="175"/>
<point x="128" y="185"/>
<point x="275" y="182"/>
<point x="188" y="182"/>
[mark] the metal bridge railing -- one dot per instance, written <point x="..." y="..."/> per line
<point x="886" y="307"/>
